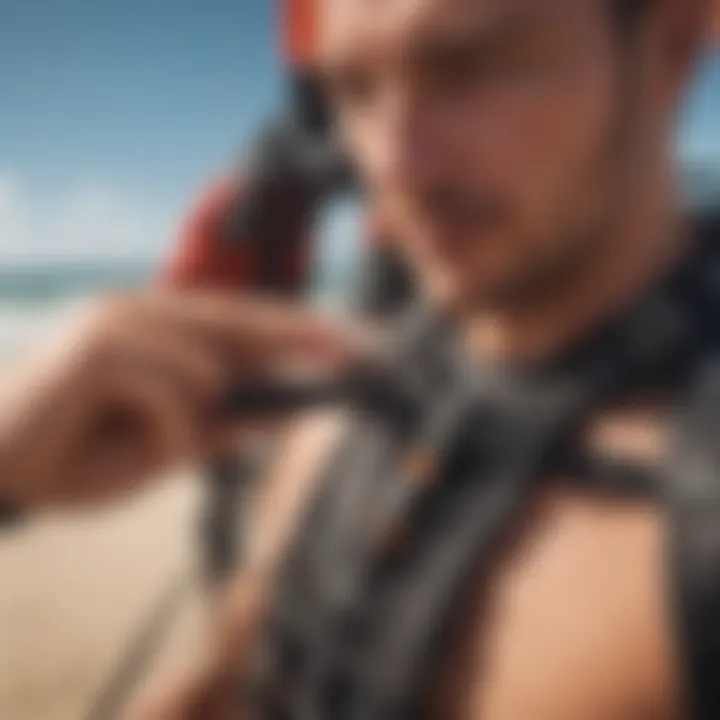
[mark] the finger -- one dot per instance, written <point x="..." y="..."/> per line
<point x="201" y="372"/>
<point x="223" y="437"/>
<point x="254" y="328"/>
<point x="137" y="425"/>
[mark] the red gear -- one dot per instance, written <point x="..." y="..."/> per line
<point x="299" y="38"/>
<point x="205" y="258"/>
<point x="200" y="257"/>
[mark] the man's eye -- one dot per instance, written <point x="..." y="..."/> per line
<point x="459" y="66"/>
<point x="465" y="67"/>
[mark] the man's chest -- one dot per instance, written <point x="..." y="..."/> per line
<point x="575" y="621"/>
<point x="571" y="618"/>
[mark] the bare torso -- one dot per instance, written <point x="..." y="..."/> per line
<point x="576" y="621"/>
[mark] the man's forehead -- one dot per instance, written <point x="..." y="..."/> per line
<point x="358" y="25"/>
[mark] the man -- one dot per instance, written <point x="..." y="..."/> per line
<point x="523" y="153"/>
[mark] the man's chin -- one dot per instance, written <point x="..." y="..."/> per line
<point x="457" y="293"/>
<point x="478" y="286"/>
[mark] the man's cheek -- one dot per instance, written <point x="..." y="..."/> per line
<point x="362" y="148"/>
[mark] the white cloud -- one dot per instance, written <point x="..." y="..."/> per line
<point x="340" y="233"/>
<point x="88" y="221"/>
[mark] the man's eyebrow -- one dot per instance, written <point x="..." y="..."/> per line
<point x="479" y="33"/>
<point x="463" y="33"/>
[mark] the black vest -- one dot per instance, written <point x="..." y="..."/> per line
<point x="417" y="501"/>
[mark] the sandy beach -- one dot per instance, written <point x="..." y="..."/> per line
<point x="73" y="591"/>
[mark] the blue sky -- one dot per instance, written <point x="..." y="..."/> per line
<point x="114" y="112"/>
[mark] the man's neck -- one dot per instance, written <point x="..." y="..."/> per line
<point x="629" y="263"/>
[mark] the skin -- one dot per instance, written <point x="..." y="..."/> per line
<point x="522" y="153"/>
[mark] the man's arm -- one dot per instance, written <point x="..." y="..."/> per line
<point x="208" y="691"/>
<point x="276" y="509"/>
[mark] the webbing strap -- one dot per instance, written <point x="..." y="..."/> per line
<point x="693" y="493"/>
<point x="483" y="497"/>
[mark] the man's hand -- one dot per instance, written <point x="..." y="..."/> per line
<point x="204" y="692"/>
<point x="134" y="389"/>
<point x="211" y="687"/>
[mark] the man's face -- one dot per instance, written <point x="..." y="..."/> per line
<point x="488" y="133"/>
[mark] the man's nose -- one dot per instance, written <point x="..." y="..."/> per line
<point x="410" y="152"/>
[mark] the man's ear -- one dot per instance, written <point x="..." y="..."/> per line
<point x="714" y="22"/>
<point x="690" y="22"/>
<point x="686" y="28"/>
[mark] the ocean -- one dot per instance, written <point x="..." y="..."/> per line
<point x="36" y="297"/>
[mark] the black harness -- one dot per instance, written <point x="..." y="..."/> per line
<point x="415" y="504"/>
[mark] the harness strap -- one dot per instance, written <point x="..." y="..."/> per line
<point x="693" y="489"/>
<point x="359" y="616"/>
<point x="484" y="493"/>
